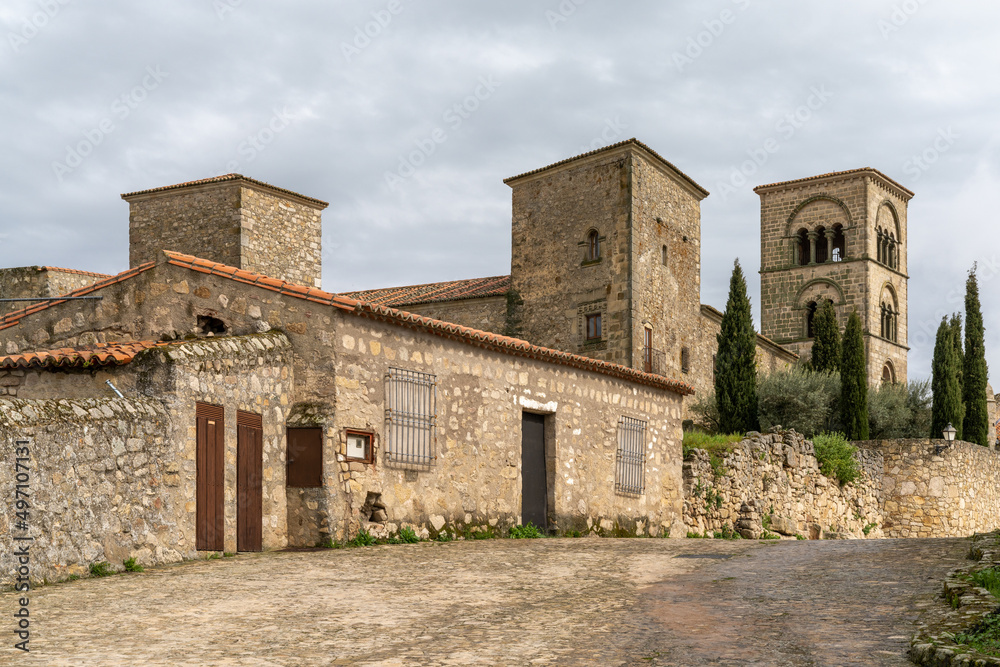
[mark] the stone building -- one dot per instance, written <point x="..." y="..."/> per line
<point x="40" y="281"/>
<point x="258" y="411"/>
<point x="838" y="237"/>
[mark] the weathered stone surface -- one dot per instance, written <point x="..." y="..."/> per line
<point x="758" y="490"/>
<point x="237" y="222"/>
<point x="934" y="488"/>
<point x="860" y="203"/>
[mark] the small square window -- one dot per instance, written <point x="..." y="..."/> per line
<point x="594" y="326"/>
<point x="359" y="446"/>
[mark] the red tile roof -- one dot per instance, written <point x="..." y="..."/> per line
<point x="483" y="339"/>
<point x="103" y="354"/>
<point x="74" y="271"/>
<point x="452" y="290"/>
<point x="12" y="318"/>
<point x="222" y="179"/>
<point x="634" y="142"/>
<point x="834" y="174"/>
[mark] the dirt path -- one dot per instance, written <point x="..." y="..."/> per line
<point x="501" y="602"/>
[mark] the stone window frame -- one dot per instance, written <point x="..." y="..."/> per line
<point x="364" y="432"/>
<point x="589" y="247"/>
<point x="599" y="308"/>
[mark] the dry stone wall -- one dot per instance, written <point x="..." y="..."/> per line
<point x="933" y="488"/>
<point x="772" y="482"/>
<point x="100" y="484"/>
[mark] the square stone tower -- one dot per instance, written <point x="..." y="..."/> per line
<point x="606" y="257"/>
<point x="234" y="220"/>
<point x="839" y="237"/>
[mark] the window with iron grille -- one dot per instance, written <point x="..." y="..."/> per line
<point x="630" y="459"/>
<point x="410" y="417"/>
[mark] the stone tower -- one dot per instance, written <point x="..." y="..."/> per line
<point x="838" y="237"/>
<point x="606" y="258"/>
<point x="234" y="220"/>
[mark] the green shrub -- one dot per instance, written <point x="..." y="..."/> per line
<point x="101" y="569"/>
<point x="988" y="579"/>
<point x="836" y="457"/>
<point x="984" y="636"/>
<point x="525" y="532"/>
<point x="131" y="565"/>
<point x="479" y="533"/>
<point x="770" y="536"/>
<point x="899" y="411"/>
<point x="572" y="533"/>
<point x="408" y="536"/>
<point x="362" y="539"/>
<point x="800" y="399"/>
<point x="444" y="536"/>
<point x="706" y="413"/>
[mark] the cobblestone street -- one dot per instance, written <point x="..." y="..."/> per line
<point x="503" y="602"/>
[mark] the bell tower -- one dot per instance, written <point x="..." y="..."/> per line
<point x="839" y="237"/>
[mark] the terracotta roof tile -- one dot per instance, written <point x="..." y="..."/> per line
<point x="103" y="354"/>
<point x="452" y="290"/>
<point x="835" y="174"/>
<point x="223" y="179"/>
<point x="12" y="318"/>
<point x="74" y="271"/>
<point x="634" y="142"/>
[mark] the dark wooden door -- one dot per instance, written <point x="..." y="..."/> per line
<point x="210" y="477"/>
<point x="534" y="491"/>
<point x="249" y="481"/>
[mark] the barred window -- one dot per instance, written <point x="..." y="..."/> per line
<point x="410" y="417"/>
<point x="630" y="459"/>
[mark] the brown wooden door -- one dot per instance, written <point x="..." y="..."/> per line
<point x="249" y="481"/>
<point x="210" y="476"/>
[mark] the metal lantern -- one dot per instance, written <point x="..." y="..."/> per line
<point x="949" y="432"/>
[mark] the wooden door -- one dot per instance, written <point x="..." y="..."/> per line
<point x="534" y="490"/>
<point x="249" y="481"/>
<point x="210" y="477"/>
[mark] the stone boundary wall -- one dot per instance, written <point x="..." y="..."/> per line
<point x="963" y="605"/>
<point x="772" y="482"/>
<point x="98" y="484"/>
<point x="933" y="488"/>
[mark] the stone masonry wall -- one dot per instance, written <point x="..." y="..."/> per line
<point x="552" y="216"/>
<point x="778" y="477"/>
<point x="489" y="314"/>
<point x="101" y="484"/>
<point x="666" y="295"/>
<point x="32" y="281"/>
<point x="476" y="476"/>
<point x="203" y="221"/>
<point x="857" y="202"/>
<point x="250" y="373"/>
<point x="936" y="489"/>
<point x="281" y="236"/>
<point x="233" y="222"/>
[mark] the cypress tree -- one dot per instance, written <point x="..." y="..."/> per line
<point x="957" y="338"/>
<point x="736" y="361"/>
<point x="854" y="381"/>
<point x="946" y="407"/>
<point x="976" y="426"/>
<point x="826" y="346"/>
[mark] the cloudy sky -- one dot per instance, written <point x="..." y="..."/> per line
<point x="343" y="101"/>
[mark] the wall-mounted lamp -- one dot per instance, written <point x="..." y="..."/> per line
<point x="949" y="436"/>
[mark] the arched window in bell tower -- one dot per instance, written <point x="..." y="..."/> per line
<point x="803" y="244"/>
<point x="810" y="317"/>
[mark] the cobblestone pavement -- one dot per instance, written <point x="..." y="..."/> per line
<point x="501" y="602"/>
